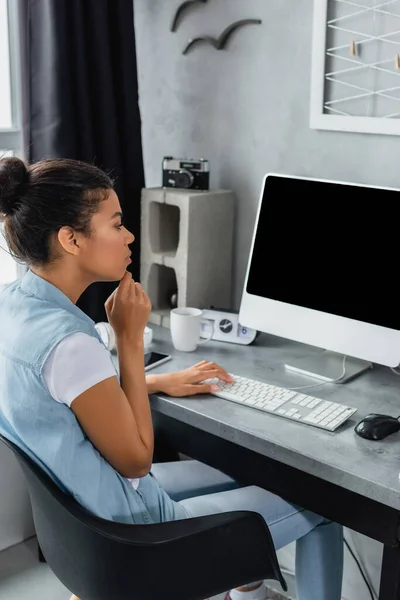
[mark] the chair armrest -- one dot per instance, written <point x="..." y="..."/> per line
<point x="161" y="533"/>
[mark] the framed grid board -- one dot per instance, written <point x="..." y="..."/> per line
<point x="355" y="73"/>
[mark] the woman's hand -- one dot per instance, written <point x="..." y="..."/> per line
<point x="128" y="309"/>
<point x="189" y="381"/>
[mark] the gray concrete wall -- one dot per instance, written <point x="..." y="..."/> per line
<point x="246" y="108"/>
<point x="16" y="522"/>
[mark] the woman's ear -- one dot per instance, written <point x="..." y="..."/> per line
<point x="67" y="238"/>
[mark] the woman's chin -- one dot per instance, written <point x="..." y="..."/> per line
<point x="122" y="273"/>
<point x="116" y="276"/>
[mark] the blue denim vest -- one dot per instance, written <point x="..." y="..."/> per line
<point x="34" y="317"/>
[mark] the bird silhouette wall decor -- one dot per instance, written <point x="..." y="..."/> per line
<point x="219" y="43"/>
<point x="180" y="11"/>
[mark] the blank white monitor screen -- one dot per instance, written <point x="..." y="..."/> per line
<point x="330" y="247"/>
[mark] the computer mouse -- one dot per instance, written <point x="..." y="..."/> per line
<point x="377" y="427"/>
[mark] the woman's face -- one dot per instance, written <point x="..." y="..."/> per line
<point x="104" y="254"/>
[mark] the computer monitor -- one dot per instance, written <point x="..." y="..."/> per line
<point x="323" y="270"/>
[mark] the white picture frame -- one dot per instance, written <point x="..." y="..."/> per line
<point x="319" y="119"/>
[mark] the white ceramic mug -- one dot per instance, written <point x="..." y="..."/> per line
<point x="185" y="324"/>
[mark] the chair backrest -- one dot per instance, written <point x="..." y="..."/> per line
<point x="71" y="539"/>
<point x="98" y="559"/>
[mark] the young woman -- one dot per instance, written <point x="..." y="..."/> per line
<point x="61" y="400"/>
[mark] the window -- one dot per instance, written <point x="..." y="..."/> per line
<point x="10" y="111"/>
<point x="5" y="98"/>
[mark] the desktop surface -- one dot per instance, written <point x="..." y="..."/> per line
<point x="366" y="467"/>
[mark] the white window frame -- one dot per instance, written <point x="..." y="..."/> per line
<point x="11" y="139"/>
<point x="318" y="118"/>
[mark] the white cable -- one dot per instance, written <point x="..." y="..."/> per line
<point x="303" y="387"/>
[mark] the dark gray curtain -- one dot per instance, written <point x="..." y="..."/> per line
<point x="81" y="100"/>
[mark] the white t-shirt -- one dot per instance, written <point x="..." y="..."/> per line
<point x="76" y="364"/>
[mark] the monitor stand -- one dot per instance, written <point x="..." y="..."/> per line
<point x="328" y="366"/>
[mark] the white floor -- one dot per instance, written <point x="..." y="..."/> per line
<point x="23" y="577"/>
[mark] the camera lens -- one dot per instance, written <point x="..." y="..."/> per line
<point x="184" y="179"/>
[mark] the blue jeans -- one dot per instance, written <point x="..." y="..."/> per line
<point x="202" y="490"/>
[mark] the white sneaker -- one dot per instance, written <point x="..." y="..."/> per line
<point x="257" y="594"/>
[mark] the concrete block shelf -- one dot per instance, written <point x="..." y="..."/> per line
<point x="186" y="249"/>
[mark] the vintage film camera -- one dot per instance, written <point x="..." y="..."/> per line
<point x="193" y="174"/>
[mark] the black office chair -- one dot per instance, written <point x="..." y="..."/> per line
<point x="102" y="560"/>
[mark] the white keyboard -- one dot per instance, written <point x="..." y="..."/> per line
<point x="289" y="404"/>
